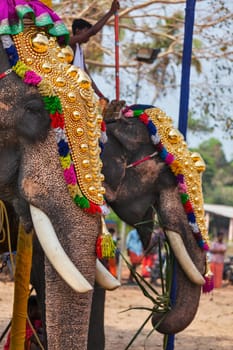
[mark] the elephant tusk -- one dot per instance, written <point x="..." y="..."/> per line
<point x="56" y="254"/>
<point x="104" y="278"/>
<point x="183" y="258"/>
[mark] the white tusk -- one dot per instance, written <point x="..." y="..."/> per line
<point x="56" y="254"/>
<point x="104" y="278"/>
<point x="183" y="258"/>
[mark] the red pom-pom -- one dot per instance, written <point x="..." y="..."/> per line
<point x="57" y="120"/>
<point x="144" y="118"/>
<point x="103" y="126"/>
<point x="188" y="207"/>
<point x="93" y="209"/>
<point x="98" y="247"/>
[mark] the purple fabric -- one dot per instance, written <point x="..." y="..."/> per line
<point x="8" y="9"/>
<point x="12" y="13"/>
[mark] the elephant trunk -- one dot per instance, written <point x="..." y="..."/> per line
<point x="188" y="269"/>
<point x="67" y="312"/>
<point x="184" y="308"/>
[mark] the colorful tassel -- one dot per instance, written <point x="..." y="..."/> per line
<point x="98" y="247"/>
<point x="108" y="247"/>
<point x="209" y="280"/>
<point x="105" y="246"/>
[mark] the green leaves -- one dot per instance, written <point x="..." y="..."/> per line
<point x="160" y="300"/>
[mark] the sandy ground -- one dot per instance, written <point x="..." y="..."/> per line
<point x="212" y="328"/>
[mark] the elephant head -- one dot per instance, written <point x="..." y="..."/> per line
<point x="141" y="177"/>
<point x="32" y="180"/>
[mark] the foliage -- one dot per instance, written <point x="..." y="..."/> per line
<point x="160" y="301"/>
<point x="199" y="125"/>
<point x="160" y="24"/>
<point x="218" y="177"/>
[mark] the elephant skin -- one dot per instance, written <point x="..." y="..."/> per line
<point x="32" y="175"/>
<point x="136" y="193"/>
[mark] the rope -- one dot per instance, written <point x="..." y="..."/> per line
<point x="6" y="232"/>
<point x="141" y="160"/>
<point x="9" y="324"/>
<point x="35" y="334"/>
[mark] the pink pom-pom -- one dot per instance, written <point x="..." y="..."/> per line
<point x="205" y="247"/>
<point x="169" y="158"/>
<point x="70" y="176"/>
<point x="182" y="187"/>
<point x="209" y="283"/>
<point x="128" y="113"/>
<point x="32" y="78"/>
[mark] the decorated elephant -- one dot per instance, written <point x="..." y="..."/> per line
<point x="37" y="167"/>
<point x="148" y="169"/>
<point x="53" y="111"/>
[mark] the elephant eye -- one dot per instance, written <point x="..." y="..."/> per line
<point x="33" y="106"/>
<point x="34" y="124"/>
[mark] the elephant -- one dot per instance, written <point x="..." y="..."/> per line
<point x="139" y="183"/>
<point x="32" y="178"/>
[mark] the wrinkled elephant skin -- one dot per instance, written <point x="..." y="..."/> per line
<point x="32" y="174"/>
<point x="135" y="193"/>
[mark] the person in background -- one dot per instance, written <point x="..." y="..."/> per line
<point x="34" y="316"/>
<point x="217" y="249"/>
<point x="82" y="30"/>
<point x="150" y="260"/>
<point x="135" y="252"/>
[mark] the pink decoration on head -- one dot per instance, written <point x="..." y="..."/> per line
<point x="206" y="247"/>
<point x="128" y="113"/>
<point x="70" y="176"/>
<point x="182" y="187"/>
<point x="32" y="78"/>
<point x="169" y="158"/>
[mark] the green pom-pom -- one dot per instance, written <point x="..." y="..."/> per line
<point x="82" y="202"/>
<point x="137" y="112"/>
<point x="184" y="197"/>
<point x="52" y="104"/>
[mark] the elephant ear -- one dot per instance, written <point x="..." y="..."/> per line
<point x="34" y="124"/>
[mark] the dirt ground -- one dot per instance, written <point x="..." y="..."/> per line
<point x="212" y="328"/>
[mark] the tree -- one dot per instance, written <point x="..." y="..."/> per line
<point x="160" y="23"/>
<point x="218" y="177"/>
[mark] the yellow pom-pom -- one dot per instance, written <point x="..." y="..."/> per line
<point x="108" y="247"/>
<point x="20" y="69"/>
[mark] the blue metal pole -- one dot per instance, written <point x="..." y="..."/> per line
<point x="186" y="64"/>
<point x="171" y="337"/>
<point x="183" y="111"/>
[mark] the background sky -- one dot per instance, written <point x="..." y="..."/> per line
<point x="169" y="103"/>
